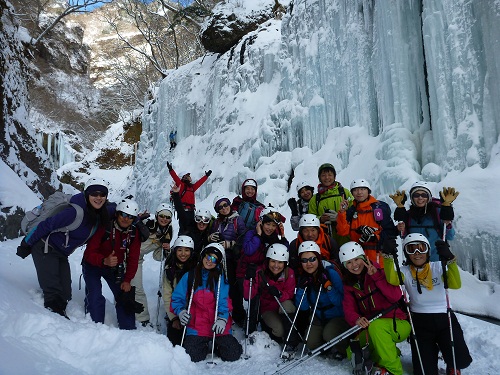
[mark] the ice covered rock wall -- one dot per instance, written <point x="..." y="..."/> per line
<point x="406" y="90"/>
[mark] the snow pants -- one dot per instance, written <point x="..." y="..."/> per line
<point x="140" y="294"/>
<point x="277" y="325"/>
<point x="95" y="303"/>
<point x="226" y="347"/>
<point x="382" y="342"/>
<point x="433" y="335"/>
<point x="54" y="276"/>
<point x="322" y="333"/>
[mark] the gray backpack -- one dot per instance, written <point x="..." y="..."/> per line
<point x="54" y="204"/>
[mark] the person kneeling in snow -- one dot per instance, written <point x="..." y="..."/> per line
<point x="201" y="301"/>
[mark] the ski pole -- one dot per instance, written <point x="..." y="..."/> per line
<point x="311" y="322"/>
<point x="403" y="291"/>
<point x="248" y="318"/>
<point x="160" y="285"/>
<point x="212" y="363"/>
<point x="323" y="348"/>
<point x="188" y="309"/>
<point x="448" y="306"/>
<point x="293" y="323"/>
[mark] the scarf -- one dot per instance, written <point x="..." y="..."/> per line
<point x="423" y="277"/>
<point x="322" y="188"/>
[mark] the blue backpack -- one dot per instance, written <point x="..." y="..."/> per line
<point x="246" y="210"/>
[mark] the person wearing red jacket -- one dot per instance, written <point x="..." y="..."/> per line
<point x="113" y="254"/>
<point x="187" y="188"/>
<point x="366" y="294"/>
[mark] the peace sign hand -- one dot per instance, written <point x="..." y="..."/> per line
<point x="370" y="268"/>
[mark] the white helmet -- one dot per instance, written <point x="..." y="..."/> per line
<point x="350" y="250"/>
<point x="414" y="238"/>
<point x="214" y="248"/>
<point x="304" y="184"/>
<point x="421" y="185"/>
<point x="250" y="182"/>
<point x="277" y="251"/>
<point x="164" y="207"/>
<point x="204" y="214"/>
<point x="309" y="220"/>
<point x="184" y="241"/>
<point x="361" y="182"/>
<point x="128" y="206"/>
<point x="309" y="246"/>
<point x="97" y="181"/>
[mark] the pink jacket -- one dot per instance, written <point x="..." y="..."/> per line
<point x="285" y="284"/>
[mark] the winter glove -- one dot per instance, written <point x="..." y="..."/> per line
<point x="251" y="271"/>
<point x="219" y="326"/>
<point x="399" y="197"/>
<point x="208" y="173"/>
<point x="390" y="247"/>
<point x="325" y="281"/>
<point x="214" y="237"/>
<point x="169" y="166"/>
<point x="23" y="250"/>
<point x="292" y="203"/>
<point x="228" y="244"/>
<point x="332" y="216"/>
<point x="144" y="215"/>
<point x="446" y="213"/>
<point x="184" y="317"/>
<point x="367" y="233"/>
<point x="274" y="291"/>
<point x="448" y="195"/>
<point x="443" y="249"/>
<point x="305" y="282"/>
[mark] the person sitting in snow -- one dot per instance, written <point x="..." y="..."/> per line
<point x="113" y="255"/>
<point x="327" y="201"/>
<point x="426" y="283"/>
<point x="368" y="221"/>
<point x="301" y="206"/>
<point x="201" y="301"/>
<point x="426" y="215"/>
<point x="187" y="188"/>
<point x="247" y="206"/>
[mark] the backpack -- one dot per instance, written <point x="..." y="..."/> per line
<point x="341" y="193"/>
<point x="246" y="210"/>
<point x="54" y="204"/>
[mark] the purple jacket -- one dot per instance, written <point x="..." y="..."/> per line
<point x="230" y="228"/>
<point x="77" y="237"/>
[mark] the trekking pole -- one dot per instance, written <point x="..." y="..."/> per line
<point x="312" y="318"/>
<point x="160" y="285"/>
<point x="212" y="363"/>
<point x="448" y="306"/>
<point x="293" y="323"/>
<point x="323" y="348"/>
<point x="248" y="318"/>
<point x="188" y="309"/>
<point x="405" y="298"/>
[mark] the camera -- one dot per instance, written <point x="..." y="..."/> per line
<point x="118" y="272"/>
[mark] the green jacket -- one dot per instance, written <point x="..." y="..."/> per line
<point x="330" y="199"/>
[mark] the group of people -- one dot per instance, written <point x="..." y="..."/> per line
<point x="340" y="271"/>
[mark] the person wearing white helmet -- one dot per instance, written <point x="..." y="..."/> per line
<point x="112" y="254"/>
<point x="426" y="215"/>
<point x="228" y="229"/>
<point x="247" y="205"/>
<point x="201" y="301"/>
<point x="51" y="245"/>
<point x="158" y="242"/>
<point x="324" y="315"/>
<point x="274" y="285"/>
<point x="180" y="260"/>
<point x="368" y="221"/>
<point x="425" y="282"/>
<point x="366" y="294"/>
<point x="187" y="188"/>
<point x="299" y="207"/>
<point x="310" y="229"/>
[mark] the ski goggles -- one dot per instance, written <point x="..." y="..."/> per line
<point x="125" y="215"/>
<point x="413" y="248"/>
<point x="211" y="258"/>
<point x="202" y="219"/>
<point x="274" y="216"/>
<point x="307" y="260"/>
<point x="164" y="216"/>
<point x="99" y="194"/>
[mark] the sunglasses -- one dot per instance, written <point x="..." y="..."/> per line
<point x="125" y="215"/>
<point x="420" y="195"/>
<point x="98" y="194"/>
<point x="222" y="205"/>
<point x="164" y="217"/>
<point x="311" y="259"/>
<point x="413" y="248"/>
<point x="202" y="219"/>
<point x="211" y="258"/>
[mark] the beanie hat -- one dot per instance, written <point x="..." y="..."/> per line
<point x="326" y="166"/>
<point x="217" y="204"/>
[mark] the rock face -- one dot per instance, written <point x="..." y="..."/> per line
<point x="224" y="30"/>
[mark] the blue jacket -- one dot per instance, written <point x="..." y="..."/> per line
<point x="330" y="301"/>
<point x="77" y="237"/>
